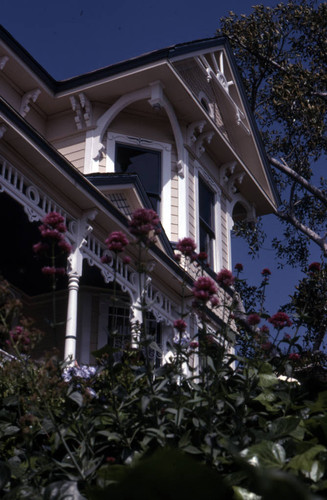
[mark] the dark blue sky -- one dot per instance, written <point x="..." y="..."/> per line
<point x="76" y="36"/>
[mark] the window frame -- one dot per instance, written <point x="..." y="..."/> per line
<point x="165" y="150"/>
<point x="216" y="243"/>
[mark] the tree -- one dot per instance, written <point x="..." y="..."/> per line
<point x="281" y="52"/>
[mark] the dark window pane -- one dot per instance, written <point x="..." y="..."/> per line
<point x="206" y="203"/>
<point x="146" y="163"/>
<point x="206" y="220"/>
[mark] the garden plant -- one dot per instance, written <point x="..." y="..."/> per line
<point x="241" y="423"/>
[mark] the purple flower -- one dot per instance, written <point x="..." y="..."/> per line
<point x="314" y="267"/>
<point x="116" y="242"/>
<point x="180" y="325"/>
<point x="186" y="246"/>
<point x="144" y="222"/>
<point x="280" y="320"/>
<point x="225" y="277"/>
<point x="253" y="319"/>
<point x="294" y="356"/>
<point x="204" y="288"/>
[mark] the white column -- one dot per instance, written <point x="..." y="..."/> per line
<point x="71" y="324"/>
<point x="80" y="229"/>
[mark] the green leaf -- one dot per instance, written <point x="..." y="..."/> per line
<point x="77" y="397"/>
<point x="266" y="398"/>
<point x="283" y="427"/>
<point x="267" y="380"/>
<point x="266" y="454"/>
<point x="62" y="490"/>
<point x="243" y="494"/>
<point x="308" y="464"/>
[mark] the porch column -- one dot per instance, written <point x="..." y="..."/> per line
<point x="80" y="230"/>
<point x="71" y="323"/>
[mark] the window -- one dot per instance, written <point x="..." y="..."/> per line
<point x="146" y="163"/>
<point x="206" y="220"/>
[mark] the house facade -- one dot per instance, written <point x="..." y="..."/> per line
<point x="170" y="130"/>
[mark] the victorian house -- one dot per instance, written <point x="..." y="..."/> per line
<point x="169" y="130"/>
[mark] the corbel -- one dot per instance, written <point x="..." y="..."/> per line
<point x="157" y="97"/>
<point x="226" y="170"/>
<point x="199" y="144"/>
<point x="235" y="178"/>
<point x="191" y="129"/>
<point x="32" y="95"/>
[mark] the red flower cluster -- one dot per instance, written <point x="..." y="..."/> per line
<point x="204" y="289"/>
<point x="186" y="246"/>
<point x="19" y="336"/>
<point x="116" y="242"/>
<point x="294" y="356"/>
<point x="314" y="267"/>
<point x="253" y="319"/>
<point x="202" y="256"/>
<point x="225" y="277"/>
<point x="180" y="325"/>
<point x="280" y="320"/>
<point x="144" y="221"/>
<point x="238" y="267"/>
<point x="194" y="344"/>
<point x="266" y="272"/>
<point x="51" y="270"/>
<point x="53" y="231"/>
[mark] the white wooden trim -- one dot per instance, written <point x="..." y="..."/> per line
<point x="165" y="149"/>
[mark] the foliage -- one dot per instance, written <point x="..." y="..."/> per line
<point x="281" y="53"/>
<point x="241" y="422"/>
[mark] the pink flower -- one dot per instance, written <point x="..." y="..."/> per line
<point x="253" y="319"/>
<point x="280" y="320"/>
<point x="19" y="334"/>
<point x="126" y="259"/>
<point x="143" y="222"/>
<point x="266" y="346"/>
<point x="204" y="288"/>
<point x="194" y="344"/>
<point x="51" y="270"/>
<point x="180" y="325"/>
<point x="264" y="329"/>
<point x="214" y="301"/>
<point x="238" y="267"/>
<point x="52" y="234"/>
<point x="40" y="247"/>
<point x="294" y="356"/>
<point x="186" y="246"/>
<point x="287" y="336"/>
<point x="225" y="277"/>
<point x="116" y="241"/>
<point x="314" y="267"/>
<point x="106" y="259"/>
<point x="202" y="256"/>
<point x="65" y="246"/>
<point x="54" y="219"/>
<point x="266" y="272"/>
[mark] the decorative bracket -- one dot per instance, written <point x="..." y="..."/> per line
<point x="191" y="129"/>
<point x="199" y="144"/>
<point x="157" y="97"/>
<point x="3" y="62"/>
<point x="83" y="111"/>
<point x="226" y="168"/>
<point x="32" y="95"/>
<point x="238" y="177"/>
<point x="80" y="230"/>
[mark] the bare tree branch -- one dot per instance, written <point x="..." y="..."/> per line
<point x="283" y="167"/>
<point x="316" y="238"/>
